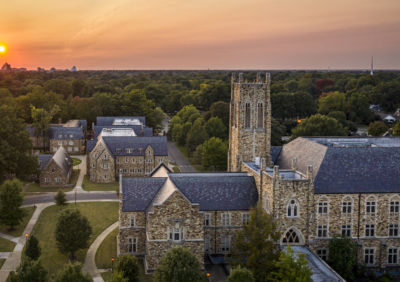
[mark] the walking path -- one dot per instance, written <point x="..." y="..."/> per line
<point x="176" y="156"/>
<point x="4" y="255"/>
<point x="82" y="173"/>
<point x="9" y="237"/>
<point x="90" y="264"/>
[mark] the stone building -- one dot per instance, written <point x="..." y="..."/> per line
<point x="198" y="211"/>
<point x="55" y="170"/>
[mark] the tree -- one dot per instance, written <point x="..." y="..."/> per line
<point x="255" y="247"/>
<point x="29" y="271"/>
<point x="377" y="128"/>
<point x="215" y="128"/>
<point x="11" y="200"/>
<point x="239" y="274"/>
<point x="179" y="265"/>
<point x="196" y="135"/>
<point x="16" y="159"/>
<point x="60" y="198"/>
<point x="343" y="256"/>
<point x="220" y="109"/>
<point x="292" y="267"/>
<point x="41" y="120"/>
<point x="72" y="232"/>
<point x="334" y="101"/>
<point x="72" y="272"/>
<point x="214" y="154"/>
<point x="128" y="266"/>
<point x="319" y="125"/>
<point x="118" y="277"/>
<point x="396" y="129"/>
<point x="32" y="249"/>
<point x="277" y="131"/>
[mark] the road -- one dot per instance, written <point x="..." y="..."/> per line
<point x="174" y="155"/>
<point x="49" y="197"/>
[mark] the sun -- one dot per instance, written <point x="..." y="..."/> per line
<point x="2" y="48"/>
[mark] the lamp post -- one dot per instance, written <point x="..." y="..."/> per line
<point x="208" y="274"/>
<point x="26" y="237"/>
<point x="75" y="196"/>
<point x="112" y="264"/>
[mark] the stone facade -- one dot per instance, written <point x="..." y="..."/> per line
<point x="73" y="146"/>
<point x="54" y="176"/>
<point x="104" y="167"/>
<point x="250" y="121"/>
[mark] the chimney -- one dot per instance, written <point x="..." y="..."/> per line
<point x="275" y="174"/>
<point x="310" y="172"/>
<point x="294" y="164"/>
<point x="142" y="130"/>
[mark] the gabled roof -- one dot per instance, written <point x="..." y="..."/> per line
<point x="59" y="132"/>
<point x="218" y="191"/>
<point x="43" y="160"/>
<point x="106" y="121"/>
<point x="347" y="165"/>
<point x="137" y="143"/>
<point x="138" y="192"/>
<point x="275" y="151"/>
<point x="90" y="144"/>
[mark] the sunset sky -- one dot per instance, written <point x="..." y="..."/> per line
<point x="201" y="34"/>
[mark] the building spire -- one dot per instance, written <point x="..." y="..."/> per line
<point x="372" y="66"/>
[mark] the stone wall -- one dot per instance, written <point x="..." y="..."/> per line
<point x="72" y="146"/>
<point x="247" y="143"/>
<point x="52" y="172"/>
<point x="101" y="164"/>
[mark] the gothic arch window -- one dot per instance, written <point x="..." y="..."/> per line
<point x="323" y="205"/>
<point x="371" y="205"/>
<point x="347" y="205"/>
<point x="292" y="236"/>
<point x="260" y="115"/>
<point x="292" y="208"/>
<point x="247" y="113"/>
<point x="394" y="204"/>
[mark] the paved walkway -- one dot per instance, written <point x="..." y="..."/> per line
<point x="176" y="156"/>
<point x="90" y="264"/>
<point x="82" y="167"/>
<point x="4" y="255"/>
<point x="9" y="237"/>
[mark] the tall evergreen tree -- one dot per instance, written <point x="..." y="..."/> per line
<point x="72" y="272"/>
<point x="11" y="200"/>
<point x="29" y="271"/>
<point x="32" y="249"/>
<point x="128" y="266"/>
<point x="343" y="256"/>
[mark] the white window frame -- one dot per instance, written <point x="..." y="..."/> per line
<point x="132" y="221"/>
<point x="370" y="230"/>
<point x="370" y="252"/>
<point x="176" y="233"/>
<point x="245" y="218"/>
<point x="394" y="205"/>
<point x="207" y="219"/>
<point x="292" y="208"/>
<point x="322" y="254"/>
<point x="347" y="207"/>
<point x="58" y="180"/>
<point x="323" y="207"/>
<point x="225" y="244"/>
<point x="322" y="231"/>
<point x="393" y="230"/>
<point x="226" y="219"/>
<point x="346" y="230"/>
<point x="132" y="245"/>
<point x="71" y="143"/>
<point x="370" y="205"/>
<point x="76" y="149"/>
<point x="392" y="255"/>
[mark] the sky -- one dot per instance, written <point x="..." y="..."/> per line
<point x="201" y="34"/>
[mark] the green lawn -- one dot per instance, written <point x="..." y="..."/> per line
<point x="20" y="228"/>
<point x="1" y="262"/>
<point x="90" y="186"/>
<point x="76" y="161"/>
<point x="107" y="276"/>
<point x="107" y="250"/>
<point x="100" y="215"/>
<point x="35" y="187"/>
<point x="6" y="246"/>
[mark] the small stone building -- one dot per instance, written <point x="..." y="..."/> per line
<point x="198" y="211"/>
<point x="55" y="169"/>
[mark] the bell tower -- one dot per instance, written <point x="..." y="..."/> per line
<point x="249" y="121"/>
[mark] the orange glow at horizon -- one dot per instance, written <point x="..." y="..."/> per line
<point x="201" y="34"/>
<point x="2" y="48"/>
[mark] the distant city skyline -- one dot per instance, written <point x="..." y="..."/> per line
<point x="206" y="34"/>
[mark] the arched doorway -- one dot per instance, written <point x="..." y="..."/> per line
<point x="292" y="236"/>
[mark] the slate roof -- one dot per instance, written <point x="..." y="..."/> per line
<point x="158" y="143"/>
<point x="347" y="165"/>
<point x="218" y="191"/>
<point x="275" y="151"/>
<point x="63" y="160"/>
<point x="59" y="132"/>
<point x="43" y="160"/>
<point x="90" y="144"/>
<point x="106" y="121"/>
<point x="83" y="123"/>
<point x="138" y="192"/>
<point x="148" y="131"/>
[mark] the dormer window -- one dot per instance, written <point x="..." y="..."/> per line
<point x="118" y="150"/>
<point x="60" y="136"/>
<point x="129" y="150"/>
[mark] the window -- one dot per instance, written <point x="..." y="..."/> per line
<point x="132" y="221"/>
<point x="76" y="149"/>
<point x="59" y="135"/>
<point x="392" y="255"/>
<point x="322" y="231"/>
<point x="140" y="160"/>
<point x="160" y="160"/>
<point x="132" y="245"/>
<point x="105" y="166"/>
<point x="346" y="230"/>
<point x="394" y="206"/>
<point x="346" y="207"/>
<point x="126" y="160"/>
<point x="65" y="142"/>
<point x="292" y="209"/>
<point x="323" y="207"/>
<point x="291" y="237"/>
<point x="53" y="170"/>
<point x="370" y="206"/>
<point x="226" y="219"/>
<point x="120" y="170"/>
<point x="58" y="180"/>
<point x="54" y="149"/>
<point x="133" y="160"/>
<point x="393" y="230"/>
<point x="207" y="244"/>
<point x="225" y="243"/>
<point x="71" y="143"/>
<point x="125" y="170"/>
<point x="260" y="113"/>
<point x="245" y="218"/>
<point x="147" y="170"/>
<point x="47" y="180"/>
<point x="105" y="157"/>
<point x="323" y="254"/>
<point x="118" y="150"/>
<point x="131" y="170"/>
<point x="207" y="219"/>
<point x="69" y="149"/>
<point x="59" y="143"/>
<point x="369" y="256"/>
<point x="71" y="136"/>
<point x="369" y="230"/>
<point x="139" y="170"/>
<point x="247" y="116"/>
<point x="117" y="160"/>
<point x="149" y="160"/>
<point x="105" y="176"/>
<point x="149" y="153"/>
<point x="176" y="233"/>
